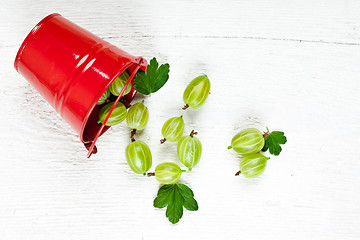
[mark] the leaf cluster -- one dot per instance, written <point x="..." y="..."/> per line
<point x="175" y="197"/>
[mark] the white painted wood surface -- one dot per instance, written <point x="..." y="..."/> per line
<point x="288" y="65"/>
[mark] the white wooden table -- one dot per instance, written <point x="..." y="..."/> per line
<point x="289" y="65"/>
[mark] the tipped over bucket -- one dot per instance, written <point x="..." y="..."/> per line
<point x="71" y="68"/>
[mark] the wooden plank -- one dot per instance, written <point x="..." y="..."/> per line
<point x="334" y="21"/>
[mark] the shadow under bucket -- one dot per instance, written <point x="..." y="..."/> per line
<point x="71" y="68"/>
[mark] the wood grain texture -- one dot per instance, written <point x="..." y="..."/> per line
<point x="261" y="74"/>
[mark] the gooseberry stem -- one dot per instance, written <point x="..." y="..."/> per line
<point x="184" y="170"/>
<point x="132" y="134"/>
<point x="237" y="173"/>
<point x="185" y="107"/>
<point x="193" y="133"/>
<point x="267" y="133"/>
<point x="150" y="174"/>
<point x="162" y="140"/>
<point x="229" y="147"/>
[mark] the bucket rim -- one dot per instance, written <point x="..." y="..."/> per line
<point x="29" y="36"/>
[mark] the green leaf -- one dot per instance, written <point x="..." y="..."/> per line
<point x="273" y="141"/>
<point x="175" y="197"/>
<point x="185" y="191"/>
<point x="164" y="193"/>
<point x="174" y="209"/>
<point x="191" y="205"/>
<point x="154" y="78"/>
<point x="188" y="195"/>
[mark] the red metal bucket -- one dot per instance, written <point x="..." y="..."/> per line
<point x="71" y="68"/>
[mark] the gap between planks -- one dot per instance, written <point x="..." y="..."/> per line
<point x="239" y="37"/>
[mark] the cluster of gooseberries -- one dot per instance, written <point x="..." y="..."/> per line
<point x="188" y="147"/>
<point x="119" y="113"/>
<point x="249" y="143"/>
<point x="137" y="153"/>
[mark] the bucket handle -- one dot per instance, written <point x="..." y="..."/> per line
<point x="92" y="148"/>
